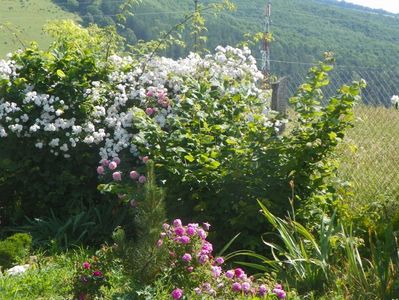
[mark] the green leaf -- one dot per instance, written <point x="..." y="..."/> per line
<point x="60" y="74"/>
<point x="214" y="164"/>
<point x="332" y="136"/>
<point x="189" y="157"/>
<point x="231" y="141"/>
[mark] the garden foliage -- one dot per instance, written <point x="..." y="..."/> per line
<point x="223" y="152"/>
<point x="329" y="259"/>
<point x="193" y="138"/>
<point x="204" y="121"/>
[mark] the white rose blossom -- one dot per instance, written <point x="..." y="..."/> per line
<point x="110" y="125"/>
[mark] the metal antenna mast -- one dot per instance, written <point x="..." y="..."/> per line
<point x="266" y="42"/>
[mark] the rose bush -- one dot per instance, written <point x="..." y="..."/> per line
<point x="195" y="273"/>
<point x="204" y="121"/>
<point x="73" y="105"/>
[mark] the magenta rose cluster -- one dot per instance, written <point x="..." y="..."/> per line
<point x="89" y="279"/>
<point x="111" y="166"/>
<point x="191" y="257"/>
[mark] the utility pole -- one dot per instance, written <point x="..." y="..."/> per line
<point x="266" y="42"/>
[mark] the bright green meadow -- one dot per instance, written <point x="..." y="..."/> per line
<point x="23" y="21"/>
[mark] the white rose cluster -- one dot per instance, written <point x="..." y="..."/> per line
<point x="154" y="88"/>
<point x="7" y="69"/>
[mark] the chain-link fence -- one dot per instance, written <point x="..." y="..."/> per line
<point x="368" y="158"/>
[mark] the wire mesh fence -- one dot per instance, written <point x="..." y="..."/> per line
<point x="368" y="157"/>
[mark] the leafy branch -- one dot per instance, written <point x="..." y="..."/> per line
<point x="196" y="17"/>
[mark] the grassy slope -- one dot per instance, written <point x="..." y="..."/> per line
<point x="26" y="18"/>
<point x="369" y="157"/>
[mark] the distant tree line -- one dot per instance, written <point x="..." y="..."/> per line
<point x="302" y="29"/>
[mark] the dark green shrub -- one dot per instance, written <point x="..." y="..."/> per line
<point x="32" y="180"/>
<point x="13" y="248"/>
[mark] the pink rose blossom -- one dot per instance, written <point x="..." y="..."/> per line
<point x="179" y="231"/>
<point x="238" y="272"/>
<point x="262" y="290"/>
<point x="191" y="231"/>
<point x="207" y="248"/>
<point x="184" y="239"/>
<point x="216" y="271"/>
<point x="100" y="170"/>
<point x="165" y="226"/>
<point x="246" y="287"/>
<point x="161" y="96"/>
<point x="145" y="159"/>
<point x="243" y="276"/>
<point x="177" y="223"/>
<point x="159" y="243"/>
<point x="117" y="176"/>
<point x="198" y="291"/>
<point x="186" y="257"/>
<point x="219" y="260"/>
<point x="202" y="234"/>
<point x="104" y="162"/>
<point x="149" y="111"/>
<point x="86" y="265"/>
<point x="134" y="175"/>
<point x="117" y="160"/>
<point x="236" y="287"/>
<point x="190" y="269"/>
<point x="150" y="94"/>
<point x="97" y="273"/>
<point x="230" y="274"/>
<point x="112" y="165"/>
<point x="142" y="179"/>
<point x="279" y="293"/>
<point x="177" y="294"/>
<point x="203" y="259"/>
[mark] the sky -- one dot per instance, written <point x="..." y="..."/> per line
<point x="389" y="5"/>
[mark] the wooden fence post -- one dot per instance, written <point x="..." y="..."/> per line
<point x="279" y="103"/>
